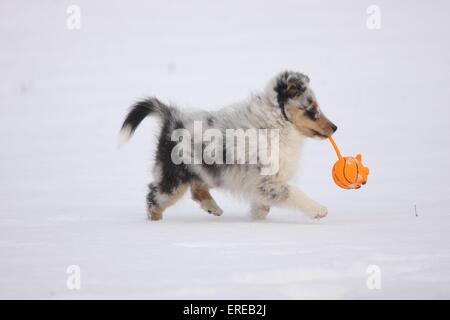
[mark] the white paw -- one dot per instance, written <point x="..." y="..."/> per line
<point x="317" y="212"/>
<point x="211" y="207"/>
<point x="259" y="213"/>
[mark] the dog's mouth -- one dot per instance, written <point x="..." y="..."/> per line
<point x="319" y="135"/>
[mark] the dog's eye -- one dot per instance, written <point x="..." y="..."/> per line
<point x="311" y="114"/>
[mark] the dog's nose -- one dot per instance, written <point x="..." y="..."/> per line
<point x="333" y="127"/>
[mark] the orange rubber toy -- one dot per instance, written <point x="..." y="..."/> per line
<point x="348" y="172"/>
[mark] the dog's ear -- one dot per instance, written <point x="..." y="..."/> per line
<point x="289" y="85"/>
<point x="304" y="77"/>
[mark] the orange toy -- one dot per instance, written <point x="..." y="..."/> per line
<point x="348" y="172"/>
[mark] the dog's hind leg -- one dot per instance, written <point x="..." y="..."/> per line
<point x="259" y="211"/>
<point x="200" y="194"/>
<point x="158" y="201"/>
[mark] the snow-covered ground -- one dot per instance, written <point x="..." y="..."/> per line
<point x="68" y="196"/>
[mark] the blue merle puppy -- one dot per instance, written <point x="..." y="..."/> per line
<point x="287" y="104"/>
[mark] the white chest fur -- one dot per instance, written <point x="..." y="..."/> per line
<point x="290" y="148"/>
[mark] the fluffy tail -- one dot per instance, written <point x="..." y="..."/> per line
<point x="138" y="112"/>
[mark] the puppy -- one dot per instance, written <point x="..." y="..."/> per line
<point x="287" y="108"/>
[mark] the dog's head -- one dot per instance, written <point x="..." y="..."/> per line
<point x="299" y="105"/>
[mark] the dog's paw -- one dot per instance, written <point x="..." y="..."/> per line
<point x="260" y="212"/>
<point x="211" y="207"/>
<point x="154" y="214"/>
<point x="317" y="212"/>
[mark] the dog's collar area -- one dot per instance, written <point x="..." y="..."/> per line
<point x="278" y="103"/>
<point x="281" y="104"/>
<point x="285" y="115"/>
<point x="283" y="112"/>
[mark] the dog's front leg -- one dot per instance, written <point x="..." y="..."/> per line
<point x="298" y="199"/>
<point x="284" y="195"/>
<point x="259" y="211"/>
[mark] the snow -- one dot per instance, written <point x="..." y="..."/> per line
<point x="68" y="196"/>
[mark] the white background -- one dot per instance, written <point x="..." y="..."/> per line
<point x="68" y="196"/>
